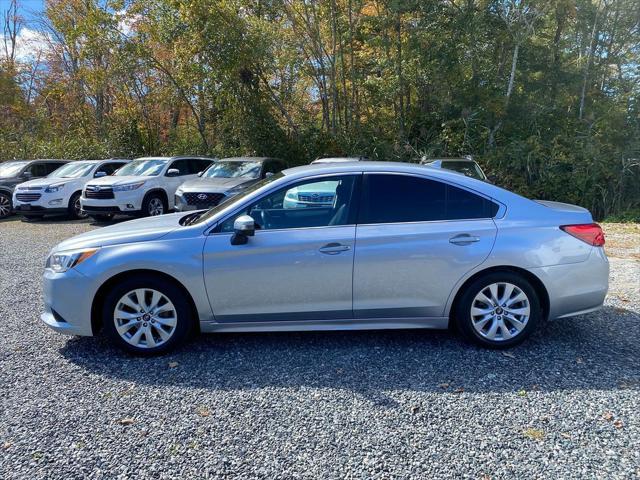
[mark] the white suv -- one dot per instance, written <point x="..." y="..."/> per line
<point x="146" y="186"/>
<point x="59" y="192"/>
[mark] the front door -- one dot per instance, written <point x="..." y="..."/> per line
<point x="416" y="238"/>
<point x="299" y="264"/>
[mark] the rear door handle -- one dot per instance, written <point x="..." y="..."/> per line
<point x="463" y="239"/>
<point x="334" y="248"/>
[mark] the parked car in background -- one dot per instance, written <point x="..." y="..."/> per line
<point x="60" y="191"/>
<point x="401" y="246"/>
<point x="146" y="186"/>
<point x="223" y="179"/>
<point x="466" y="166"/>
<point x="17" y="171"/>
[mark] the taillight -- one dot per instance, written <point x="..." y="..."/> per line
<point x="590" y="233"/>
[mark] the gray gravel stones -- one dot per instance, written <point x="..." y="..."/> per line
<point x="403" y="404"/>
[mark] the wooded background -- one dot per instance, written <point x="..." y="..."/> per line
<point x="545" y="95"/>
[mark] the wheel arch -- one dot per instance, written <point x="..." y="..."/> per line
<point x="535" y="282"/>
<point x="161" y="192"/>
<point x="101" y="293"/>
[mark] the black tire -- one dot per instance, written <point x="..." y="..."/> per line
<point x="73" y="209"/>
<point x="101" y="217"/>
<point x="6" y="205"/>
<point x="151" y="202"/>
<point x="184" y="316"/>
<point x="463" y="317"/>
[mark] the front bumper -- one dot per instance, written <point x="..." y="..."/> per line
<point x="48" y="203"/>
<point x="67" y="302"/>
<point x="125" y="203"/>
<point x="576" y="288"/>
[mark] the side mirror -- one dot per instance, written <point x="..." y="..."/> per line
<point x="100" y="174"/>
<point x="268" y="174"/>
<point x="27" y="175"/>
<point x="244" y="227"/>
<point x="173" y="172"/>
<point x="200" y="173"/>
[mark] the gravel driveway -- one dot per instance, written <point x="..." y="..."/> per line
<point x="403" y="404"/>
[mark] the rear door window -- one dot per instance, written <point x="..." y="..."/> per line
<point x="400" y="198"/>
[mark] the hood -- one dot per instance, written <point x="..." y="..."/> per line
<point x="133" y="231"/>
<point x="119" y="180"/>
<point x="215" y="184"/>
<point x="44" y="182"/>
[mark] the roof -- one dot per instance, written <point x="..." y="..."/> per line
<point x="178" y="157"/>
<point x="246" y="159"/>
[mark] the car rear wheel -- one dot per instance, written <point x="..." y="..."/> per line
<point x="5" y="205"/>
<point x="498" y="310"/>
<point x="146" y="316"/>
<point x="153" y="205"/>
<point x="74" y="208"/>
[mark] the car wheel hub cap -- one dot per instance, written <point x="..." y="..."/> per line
<point x="4" y="206"/>
<point x="500" y="311"/>
<point x="154" y="327"/>
<point x="156" y="207"/>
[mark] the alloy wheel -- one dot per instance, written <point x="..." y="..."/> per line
<point x="5" y="206"/>
<point x="500" y="311"/>
<point x="156" y="207"/>
<point x="77" y="208"/>
<point x="145" y="318"/>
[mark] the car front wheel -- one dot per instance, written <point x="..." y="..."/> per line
<point x="145" y="315"/>
<point x="153" y="205"/>
<point x="74" y="208"/>
<point x="498" y="310"/>
<point x="5" y="205"/>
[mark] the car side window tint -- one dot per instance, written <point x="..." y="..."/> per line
<point x="197" y="165"/>
<point x="462" y="204"/>
<point x="108" y="168"/>
<point x="39" y="170"/>
<point x="405" y="198"/>
<point x="312" y="203"/>
<point x="182" y="166"/>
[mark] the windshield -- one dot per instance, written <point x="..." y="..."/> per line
<point x="222" y="169"/>
<point x="72" y="170"/>
<point x="142" y="168"/>
<point x="11" y="169"/>
<point x="204" y="216"/>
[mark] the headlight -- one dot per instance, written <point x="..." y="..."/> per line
<point x="127" y="187"/>
<point x="62" y="261"/>
<point x="54" y="188"/>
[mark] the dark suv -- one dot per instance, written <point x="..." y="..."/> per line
<point x="17" y="171"/>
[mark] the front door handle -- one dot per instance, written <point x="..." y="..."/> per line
<point x="464" y="239"/>
<point x="334" y="248"/>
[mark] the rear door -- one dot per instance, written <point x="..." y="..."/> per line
<point x="415" y="239"/>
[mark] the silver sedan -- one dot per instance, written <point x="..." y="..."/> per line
<point x="398" y="246"/>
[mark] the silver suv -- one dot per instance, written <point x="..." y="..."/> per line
<point x="223" y="179"/>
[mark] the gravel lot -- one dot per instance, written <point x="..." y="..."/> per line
<point x="401" y="404"/>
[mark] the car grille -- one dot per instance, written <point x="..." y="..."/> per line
<point x="101" y="193"/>
<point x="203" y="199"/>
<point x="315" y="198"/>
<point x="28" y="197"/>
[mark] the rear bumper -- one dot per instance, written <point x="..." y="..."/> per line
<point x="576" y="288"/>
